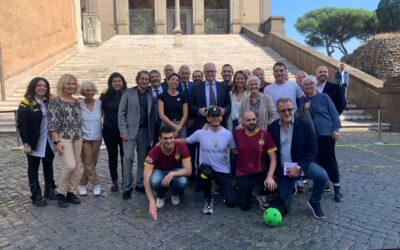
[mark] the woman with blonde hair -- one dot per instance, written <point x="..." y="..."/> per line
<point x="66" y="130"/>
<point x="92" y="137"/>
<point x="237" y="94"/>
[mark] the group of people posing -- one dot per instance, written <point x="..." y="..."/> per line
<point x="241" y="133"/>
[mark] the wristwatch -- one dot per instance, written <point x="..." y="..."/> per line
<point x="298" y="167"/>
<point x="56" y="142"/>
<point x="26" y="145"/>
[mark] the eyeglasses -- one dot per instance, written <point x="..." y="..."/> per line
<point x="210" y="71"/>
<point x="144" y="78"/>
<point x="288" y="110"/>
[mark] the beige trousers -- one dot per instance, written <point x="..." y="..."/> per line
<point x="89" y="156"/>
<point x="70" y="159"/>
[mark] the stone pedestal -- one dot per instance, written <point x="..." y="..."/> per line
<point x="275" y="24"/>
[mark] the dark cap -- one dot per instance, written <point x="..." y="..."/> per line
<point x="213" y="110"/>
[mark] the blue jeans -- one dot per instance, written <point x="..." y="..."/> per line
<point x="315" y="172"/>
<point x="176" y="186"/>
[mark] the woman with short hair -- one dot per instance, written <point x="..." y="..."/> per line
<point x="262" y="105"/>
<point x="91" y="129"/>
<point x="66" y="130"/>
<point x="32" y="125"/>
<point x="327" y="124"/>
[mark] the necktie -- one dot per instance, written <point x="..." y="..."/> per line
<point x="156" y="106"/>
<point x="186" y="90"/>
<point x="213" y="100"/>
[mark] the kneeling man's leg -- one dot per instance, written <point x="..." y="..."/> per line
<point x="320" y="178"/>
<point x="223" y="180"/>
<point x="155" y="182"/>
<point x="178" y="184"/>
<point x="285" y="188"/>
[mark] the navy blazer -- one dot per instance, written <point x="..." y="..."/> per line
<point x="336" y="94"/>
<point x="304" y="143"/>
<point x="198" y="100"/>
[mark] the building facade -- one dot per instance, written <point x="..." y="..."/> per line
<point x="158" y="16"/>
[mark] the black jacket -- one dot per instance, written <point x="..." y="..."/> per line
<point x="110" y="100"/>
<point x="29" y="119"/>
<point x="336" y="94"/>
<point x="304" y="143"/>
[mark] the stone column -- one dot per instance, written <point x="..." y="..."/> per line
<point x="123" y="17"/>
<point x="160" y="15"/>
<point x="78" y="23"/>
<point x="235" y="16"/>
<point x="265" y="8"/>
<point x="198" y="17"/>
<point x="177" y="29"/>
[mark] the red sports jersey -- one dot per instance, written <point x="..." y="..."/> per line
<point x="253" y="151"/>
<point x="158" y="159"/>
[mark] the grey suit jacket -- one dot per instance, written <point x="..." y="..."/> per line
<point x="129" y="114"/>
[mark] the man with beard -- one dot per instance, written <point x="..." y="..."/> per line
<point x="259" y="72"/>
<point x="167" y="166"/>
<point x="333" y="90"/>
<point x="136" y="121"/>
<point x="256" y="150"/>
<point x="227" y="73"/>
<point x="215" y="141"/>
<point x="197" y="76"/>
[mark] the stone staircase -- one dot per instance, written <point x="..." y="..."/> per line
<point x="358" y="118"/>
<point x="130" y="54"/>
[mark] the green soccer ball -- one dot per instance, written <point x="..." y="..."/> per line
<point x="272" y="217"/>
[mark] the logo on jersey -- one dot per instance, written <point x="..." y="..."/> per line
<point x="177" y="157"/>
<point x="261" y="142"/>
<point x="149" y="160"/>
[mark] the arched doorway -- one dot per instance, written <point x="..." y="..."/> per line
<point x="141" y="17"/>
<point x="216" y="16"/>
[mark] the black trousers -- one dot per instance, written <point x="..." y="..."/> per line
<point x="33" y="170"/>
<point x="113" y="140"/>
<point x="245" y="185"/>
<point x="223" y="181"/>
<point x="326" y="157"/>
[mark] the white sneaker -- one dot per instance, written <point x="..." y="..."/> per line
<point x="82" y="190"/>
<point x="160" y="203"/>
<point x="175" y="200"/>
<point x="97" y="190"/>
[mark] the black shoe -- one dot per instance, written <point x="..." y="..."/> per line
<point x="39" y="201"/>
<point x="338" y="195"/>
<point x="114" y="187"/>
<point x="327" y="188"/>
<point x="62" y="201"/>
<point x="316" y="209"/>
<point x="127" y="194"/>
<point x="50" y="193"/>
<point x="139" y="189"/>
<point x="72" y="198"/>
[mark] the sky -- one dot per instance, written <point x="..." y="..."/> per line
<point x="292" y="9"/>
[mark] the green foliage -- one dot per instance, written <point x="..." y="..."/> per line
<point x="388" y="14"/>
<point x="333" y="27"/>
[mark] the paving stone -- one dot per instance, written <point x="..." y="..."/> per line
<point x="368" y="218"/>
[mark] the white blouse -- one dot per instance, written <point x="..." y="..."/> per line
<point x="91" y="121"/>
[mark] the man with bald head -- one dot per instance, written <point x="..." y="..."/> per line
<point x="256" y="160"/>
<point x="334" y="91"/>
<point x="209" y="93"/>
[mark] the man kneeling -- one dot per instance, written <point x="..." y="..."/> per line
<point x="166" y="166"/>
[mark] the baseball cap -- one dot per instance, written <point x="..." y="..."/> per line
<point x="213" y="110"/>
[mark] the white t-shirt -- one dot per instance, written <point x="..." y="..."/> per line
<point x="287" y="89"/>
<point x="214" y="147"/>
<point x="91" y="121"/>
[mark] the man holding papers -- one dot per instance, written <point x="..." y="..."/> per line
<point x="297" y="149"/>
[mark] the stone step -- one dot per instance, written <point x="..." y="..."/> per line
<point x="372" y="125"/>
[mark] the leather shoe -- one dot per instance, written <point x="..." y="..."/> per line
<point x="62" y="202"/>
<point x="50" y="194"/>
<point x="127" y="194"/>
<point x="72" y="198"/>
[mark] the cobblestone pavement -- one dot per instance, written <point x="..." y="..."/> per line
<point x="368" y="218"/>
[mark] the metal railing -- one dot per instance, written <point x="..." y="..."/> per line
<point x="379" y="109"/>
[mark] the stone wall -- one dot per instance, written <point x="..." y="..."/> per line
<point x="364" y="90"/>
<point x="369" y="56"/>
<point x="34" y="35"/>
